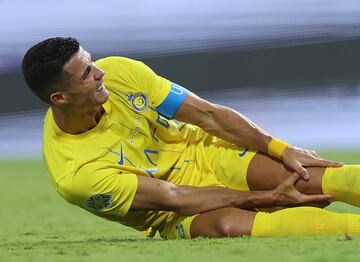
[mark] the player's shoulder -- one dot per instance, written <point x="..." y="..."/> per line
<point x="114" y="62"/>
<point x="120" y="69"/>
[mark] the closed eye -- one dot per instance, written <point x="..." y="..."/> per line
<point x="86" y="72"/>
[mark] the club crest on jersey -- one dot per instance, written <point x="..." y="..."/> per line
<point x="99" y="201"/>
<point x="139" y="102"/>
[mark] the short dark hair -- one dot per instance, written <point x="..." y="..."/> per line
<point x="43" y="64"/>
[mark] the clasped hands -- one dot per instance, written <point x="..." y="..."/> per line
<point x="297" y="159"/>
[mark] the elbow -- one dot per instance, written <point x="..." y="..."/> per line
<point x="207" y="118"/>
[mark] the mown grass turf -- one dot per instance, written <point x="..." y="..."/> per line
<point x="37" y="225"/>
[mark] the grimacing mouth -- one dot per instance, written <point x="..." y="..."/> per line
<point x="100" y="87"/>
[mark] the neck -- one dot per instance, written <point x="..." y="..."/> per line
<point x="74" y="122"/>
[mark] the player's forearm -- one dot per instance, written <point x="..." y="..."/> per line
<point x="158" y="195"/>
<point x="195" y="200"/>
<point x="234" y="127"/>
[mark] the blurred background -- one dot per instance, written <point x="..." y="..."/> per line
<point x="293" y="67"/>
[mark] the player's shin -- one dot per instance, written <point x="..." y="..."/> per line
<point x="343" y="183"/>
<point x="304" y="221"/>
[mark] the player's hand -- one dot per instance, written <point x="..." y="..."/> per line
<point x="287" y="195"/>
<point x="298" y="158"/>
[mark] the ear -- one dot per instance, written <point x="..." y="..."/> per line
<point x="59" y="98"/>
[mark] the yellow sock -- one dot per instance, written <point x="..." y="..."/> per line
<point x="343" y="183"/>
<point x="304" y="221"/>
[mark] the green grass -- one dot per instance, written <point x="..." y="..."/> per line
<point x="37" y="225"/>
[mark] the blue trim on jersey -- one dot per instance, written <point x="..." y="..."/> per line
<point x="173" y="101"/>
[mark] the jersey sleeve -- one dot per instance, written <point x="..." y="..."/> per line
<point x="172" y="102"/>
<point x="164" y="95"/>
<point x="100" y="191"/>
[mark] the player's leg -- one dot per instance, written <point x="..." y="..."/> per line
<point x="265" y="173"/>
<point x="224" y="222"/>
<point x="299" y="221"/>
<point x="247" y="170"/>
<point x="243" y="169"/>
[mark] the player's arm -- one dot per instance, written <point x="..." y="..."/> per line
<point x="156" y="194"/>
<point x="234" y="127"/>
<point x="223" y="122"/>
<point x="217" y="120"/>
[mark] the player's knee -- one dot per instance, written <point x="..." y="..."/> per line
<point x="231" y="227"/>
<point x="314" y="184"/>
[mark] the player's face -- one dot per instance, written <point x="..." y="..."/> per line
<point x="86" y="88"/>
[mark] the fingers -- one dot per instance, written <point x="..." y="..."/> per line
<point x="293" y="178"/>
<point x="313" y="152"/>
<point x="316" y="160"/>
<point x="315" y="155"/>
<point x="316" y="198"/>
<point x="301" y="171"/>
<point x="325" y="163"/>
<point x="297" y="159"/>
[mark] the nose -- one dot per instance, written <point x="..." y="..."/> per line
<point x="99" y="74"/>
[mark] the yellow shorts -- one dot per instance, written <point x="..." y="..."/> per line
<point x="230" y="164"/>
<point x="223" y="165"/>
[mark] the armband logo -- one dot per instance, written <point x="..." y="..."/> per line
<point x="99" y="202"/>
<point x="139" y="102"/>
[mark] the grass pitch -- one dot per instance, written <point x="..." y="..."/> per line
<point x="37" y="225"/>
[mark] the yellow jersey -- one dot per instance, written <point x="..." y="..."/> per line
<point x="97" y="170"/>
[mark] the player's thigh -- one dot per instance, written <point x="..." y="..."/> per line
<point x="266" y="173"/>
<point x="230" y="164"/>
<point x="224" y="222"/>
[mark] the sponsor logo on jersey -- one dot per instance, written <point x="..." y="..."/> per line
<point x="139" y="102"/>
<point x="99" y="201"/>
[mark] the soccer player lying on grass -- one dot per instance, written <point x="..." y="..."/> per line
<point x="111" y="148"/>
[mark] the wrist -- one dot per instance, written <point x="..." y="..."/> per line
<point x="257" y="199"/>
<point x="276" y="197"/>
<point x="276" y="147"/>
<point x="270" y="198"/>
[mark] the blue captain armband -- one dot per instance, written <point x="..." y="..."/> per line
<point x="173" y="101"/>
